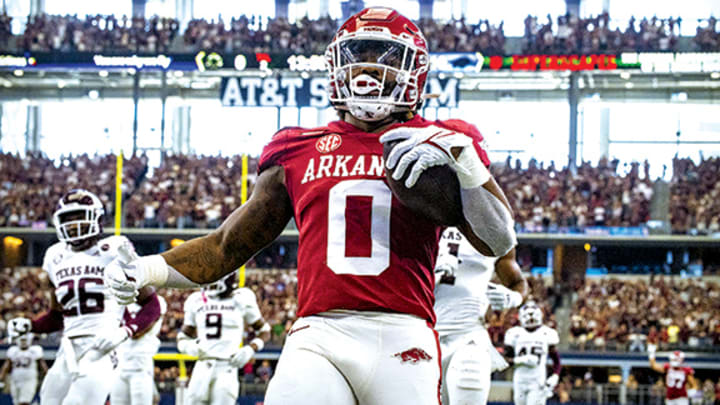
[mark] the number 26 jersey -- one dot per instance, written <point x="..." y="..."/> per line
<point x="359" y="247"/>
<point x="79" y="287"/>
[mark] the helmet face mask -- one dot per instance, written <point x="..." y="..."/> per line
<point x="78" y="216"/>
<point x="378" y="63"/>
<point x="223" y="287"/>
<point x="531" y="315"/>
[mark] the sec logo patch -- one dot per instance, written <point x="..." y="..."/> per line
<point x="328" y="143"/>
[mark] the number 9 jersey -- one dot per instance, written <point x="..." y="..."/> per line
<point x="360" y="249"/>
<point x="77" y="278"/>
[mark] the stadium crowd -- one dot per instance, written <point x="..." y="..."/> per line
<point x="200" y="191"/>
<point x="695" y="191"/>
<point x="568" y="34"/>
<point x="30" y="186"/>
<point x="571" y="34"/>
<point x="544" y="198"/>
<point x="53" y="33"/>
<point x="613" y="314"/>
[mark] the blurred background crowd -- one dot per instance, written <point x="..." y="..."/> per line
<point x="565" y="35"/>
<point x="199" y="191"/>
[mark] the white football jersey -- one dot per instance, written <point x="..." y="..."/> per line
<point x="534" y="343"/>
<point x="461" y="306"/>
<point x="24" y="362"/>
<point x="136" y="354"/>
<point x="79" y="286"/>
<point x="220" y="322"/>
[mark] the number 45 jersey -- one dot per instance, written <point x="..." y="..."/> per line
<point x="220" y="321"/>
<point x="79" y="288"/>
<point x="359" y="247"/>
<point x="534" y="343"/>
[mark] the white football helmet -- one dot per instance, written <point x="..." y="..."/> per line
<point x="78" y="216"/>
<point x="531" y="315"/>
<point x="24" y="341"/>
<point x="378" y="63"/>
<point x="222" y="287"/>
<point x="677" y="358"/>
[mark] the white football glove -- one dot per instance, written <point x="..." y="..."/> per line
<point x="242" y="356"/>
<point x="501" y="297"/>
<point x="188" y="345"/>
<point x="106" y="341"/>
<point x="434" y="146"/>
<point x="18" y="327"/>
<point x="651" y="349"/>
<point x="128" y="273"/>
<point x="552" y="382"/>
<point x="445" y="267"/>
<point x="525" y="360"/>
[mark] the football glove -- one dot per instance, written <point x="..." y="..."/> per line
<point x="242" y="356"/>
<point x="445" y="268"/>
<point x="188" y="345"/>
<point x="423" y="148"/>
<point x="651" y="349"/>
<point x="18" y="327"/>
<point x="106" y="341"/>
<point x="552" y="382"/>
<point x="525" y="360"/>
<point x="128" y="273"/>
<point x="501" y="297"/>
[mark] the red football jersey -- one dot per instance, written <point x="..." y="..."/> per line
<point x="359" y="247"/>
<point x="676" y="381"/>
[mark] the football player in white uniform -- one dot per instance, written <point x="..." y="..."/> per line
<point x="215" y="319"/>
<point x="527" y="347"/>
<point x="81" y="307"/>
<point x="463" y="292"/>
<point x="134" y="383"/>
<point x="23" y="361"/>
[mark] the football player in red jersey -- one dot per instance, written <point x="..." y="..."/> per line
<point x="365" y="261"/>
<point x="677" y="376"/>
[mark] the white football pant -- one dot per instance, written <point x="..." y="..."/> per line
<point x="528" y="392"/>
<point x="213" y="382"/>
<point x="133" y="387"/>
<point x="23" y="392"/>
<point x="467" y="366"/>
<point x="357" y="358"/>
<point x="72" y="382"/>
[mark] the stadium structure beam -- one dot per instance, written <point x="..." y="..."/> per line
<point x="573" y="100"/>
<point x="426" y="8"/>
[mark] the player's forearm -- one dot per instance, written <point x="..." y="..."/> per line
<point x="489" y="217"/>
<point x="510" y="274"/>
<point x="50" y="321"/>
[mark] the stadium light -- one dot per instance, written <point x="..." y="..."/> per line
<point x="715" y="75"/>
<point x="176" y="242"/>
<point x="12" y="242"/>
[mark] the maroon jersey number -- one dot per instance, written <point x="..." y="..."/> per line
<point x="345" y="218"/>
<point x="88" y="302"/>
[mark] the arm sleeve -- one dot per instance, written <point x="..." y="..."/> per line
<point x="557" y="366"/>
<point x="50" y="321"/>
<point x="189" y="310"/>
<point x="147" y="315"/>
<point x="249" y="304"/>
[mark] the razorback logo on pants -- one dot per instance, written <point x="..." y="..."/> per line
<point x="413" y="355"/>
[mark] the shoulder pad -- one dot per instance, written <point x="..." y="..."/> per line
<point x="112" y="243"/>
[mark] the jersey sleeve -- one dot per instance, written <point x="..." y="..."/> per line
<point x="689" y="371"/>
<point x="666" y="367"/>
<point x="49" y="260"/>
<point x="12" y="352"/>
<point x="272" y="154"/>
<point x="37" y="352"/>
<point x="552" y="337"/>
<point x="510" y="337"/>
<point x="112" y="244"/>
<point x="470" y="130"/>
<point x="189" y="308"/>
<point x="247" y="301"/>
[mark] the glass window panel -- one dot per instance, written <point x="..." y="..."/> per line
<point x="88" y="7"/>
<point x="226" y="131"/>
<point x="212" y="9"/>
<point x="513" y="13"/>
